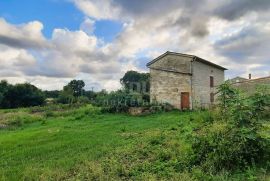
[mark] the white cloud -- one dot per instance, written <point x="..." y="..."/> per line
<point x="24" y="35"/>
<point x="73" y="41"/>
<point x="69" y="54"/>
<point x="88" y="26"/>
<point x="101" y="9"/>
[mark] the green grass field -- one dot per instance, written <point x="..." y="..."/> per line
<point x="82" y="144"/>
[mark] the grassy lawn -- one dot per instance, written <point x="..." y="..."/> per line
<point x="82" y="144"/>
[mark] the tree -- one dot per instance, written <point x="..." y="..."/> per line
<point x="52" y="94"/>
<point x="76" y="87"/>
<point x="66" y="96"/>
<point x="22" y="95"/>
<point x="4" y="87"/>
<point x="136" y="81"/>
<point x="91" y="95"/>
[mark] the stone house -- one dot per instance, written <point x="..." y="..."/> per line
<point x="184" y="81"/>
<point x="249" y="86"/>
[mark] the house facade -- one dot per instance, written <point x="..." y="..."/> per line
<point x="184" y="81"/>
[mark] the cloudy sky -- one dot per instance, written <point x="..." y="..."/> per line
<point x="50" y="42"/>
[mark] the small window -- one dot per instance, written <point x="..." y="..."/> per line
<point x="211" y="81"/>
<point x="212" y="97"/>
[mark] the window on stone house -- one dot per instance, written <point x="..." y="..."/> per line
<point x="211" y="81"/>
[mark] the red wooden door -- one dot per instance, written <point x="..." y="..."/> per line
<point x="184" y="100"/>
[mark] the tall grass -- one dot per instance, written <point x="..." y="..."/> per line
<point x="81" y="143"/>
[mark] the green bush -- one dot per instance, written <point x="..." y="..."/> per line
<point x="146" y="97"/>
<point x="49" y="114"/>
<point x="65" y="98"/>
<point x="156" y="108"/>
<point x="120" y="101"/>
<point x="20" y="95"/>
<point x="82" y="100"/>
<point x="231" y="139"/>
<point x="23" y="118"/>
<point x="87" y="110"/>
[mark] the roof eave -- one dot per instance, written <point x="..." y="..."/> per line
<point x="210" y="63"/>
<point x="156" y="59"/>
<point x="168" y="53"/>
<point x="186" y="55"/>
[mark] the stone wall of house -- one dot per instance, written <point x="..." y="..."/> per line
<point x="166" y="87"/>
<point x="201" y="89"/>
<point x="173" y="63"/>
<point x="249" y="86"/>
<point x="173" y="74"/>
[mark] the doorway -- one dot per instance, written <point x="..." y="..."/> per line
<point x="184" y="100"/>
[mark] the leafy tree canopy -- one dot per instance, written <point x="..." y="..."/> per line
<point x="52" y="94"/>
<point x="76" y="87"/>
<point x="21" y="95"/>
<point x="132" y="79"/>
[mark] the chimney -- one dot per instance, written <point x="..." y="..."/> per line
<point x="249" y="76"/>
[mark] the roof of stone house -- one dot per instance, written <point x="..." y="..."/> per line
<point x="186" y="55"/>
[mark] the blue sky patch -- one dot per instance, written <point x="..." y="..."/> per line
<point x="51" y="13"/>
<point x="107" y="29"/>
<point x="55" y="14"/>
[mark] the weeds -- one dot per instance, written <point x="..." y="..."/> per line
<point x="231" y="138"/>
<point x="80" y="143"/>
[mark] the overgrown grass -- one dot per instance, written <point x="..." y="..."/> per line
<point x="80" y="143"/>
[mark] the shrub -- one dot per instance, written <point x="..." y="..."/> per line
<point x="82" y="100"/>
<point x="22" y="95"/>
<point x="156" y="108"/>
<point x="23" y="118"/>
<point x="146" y="97"/>
<point x="65" y="98"/>
<point x="231" y="139"/>
<point x="49" y="114"/>
<point x="120" y="101"/>
<point x="167" y="107"/>
<point x="85" y="110"/>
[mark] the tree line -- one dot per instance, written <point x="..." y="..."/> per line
<point x="26" y="94"/>
<point x="20" y="95"/>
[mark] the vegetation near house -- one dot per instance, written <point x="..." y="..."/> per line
<point x="25" y="95"/>
<point x="84" y="142"/>
<point x="232" y="140"/>
<point x="115" y="101"/>
<point x="77" y="136"/>
<point x="136" y="81"/>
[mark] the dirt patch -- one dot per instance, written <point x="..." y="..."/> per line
<point x="134" y="111"/>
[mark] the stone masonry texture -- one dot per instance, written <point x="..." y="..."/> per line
<point x="172" y="74"/>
